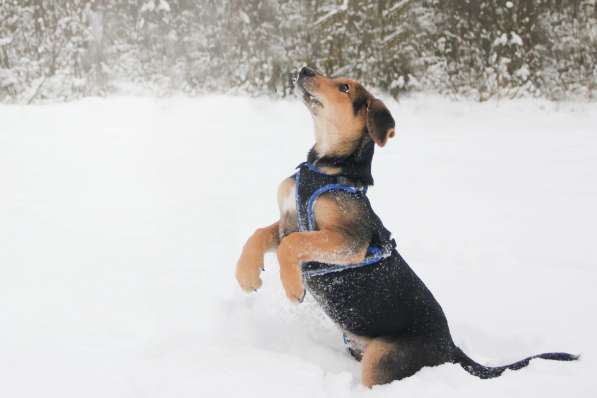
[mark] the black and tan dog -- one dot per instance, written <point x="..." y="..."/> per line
<point x="328" y="237"/>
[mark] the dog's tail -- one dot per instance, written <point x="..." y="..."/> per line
<point x="488" y="372"/>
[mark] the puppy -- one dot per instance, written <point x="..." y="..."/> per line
<point x="329" y="240"/>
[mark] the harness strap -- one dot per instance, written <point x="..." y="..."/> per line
<point x="330" y="268"/>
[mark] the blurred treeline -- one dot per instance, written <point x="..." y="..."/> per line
<point x="64" y="49"/>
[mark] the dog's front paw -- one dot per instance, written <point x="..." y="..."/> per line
<point x="292" y="281"/>
<point x="248" y="273"/>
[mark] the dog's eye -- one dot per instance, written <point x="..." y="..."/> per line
<point x="344" y="88"/>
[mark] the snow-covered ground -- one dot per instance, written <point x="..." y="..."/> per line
<point x="121" y="221"/>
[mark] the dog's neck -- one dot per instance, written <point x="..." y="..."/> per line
<point x="356" y="166"/>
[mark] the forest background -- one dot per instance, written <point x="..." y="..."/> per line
<point x="56" y="50"/>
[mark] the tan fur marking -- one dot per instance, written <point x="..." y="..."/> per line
<point x="286" y="196"/>
<point x="331" y="213"/>
<point x="337" y="129"/>
<point x="287" y="206"/>
<point x="330" y="170"/>
<point x="327" y="213"/>
<point x="250" y="264"/>
<point x="376" y="350"/>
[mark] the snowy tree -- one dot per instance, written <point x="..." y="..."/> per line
<point x="66" y="49"/>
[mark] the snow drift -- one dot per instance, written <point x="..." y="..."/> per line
<point x="121" y="221"/>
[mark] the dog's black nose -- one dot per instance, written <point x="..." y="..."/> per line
<point x="307" y="72"/>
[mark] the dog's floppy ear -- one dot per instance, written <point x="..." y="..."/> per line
<point x="380" y="122"/>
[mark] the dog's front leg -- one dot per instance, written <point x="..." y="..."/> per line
<point x="326" y="246"/>
<point x="250" y="264"/>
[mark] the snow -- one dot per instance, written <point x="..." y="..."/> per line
<point x="399" y="5"/>
<point x="7" y="77"/>
<point x="501" y="40"/>
<point x="244" y="17"/>
<point x="515" y="39"/>
<point x="392" y="36"/>
<point x="332" y="13"/>
<point x="148" y="7"/>
<point x="122" y="219"/>
<point x="523" y="72"/>
<point x="164" y="6"/>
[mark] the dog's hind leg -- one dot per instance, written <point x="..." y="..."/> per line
<point x="393" y="358"/>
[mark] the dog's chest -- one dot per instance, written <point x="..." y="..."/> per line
<point x="287" y="206"/>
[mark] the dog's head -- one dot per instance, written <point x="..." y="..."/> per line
<point x="343" y="112"/>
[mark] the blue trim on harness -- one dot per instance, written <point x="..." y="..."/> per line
<point x="343" y="267"/>
<point x="374" y="253"/>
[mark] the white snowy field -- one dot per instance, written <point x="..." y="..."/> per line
<point x="121" y="221"/>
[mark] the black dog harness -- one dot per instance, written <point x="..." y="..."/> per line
<point x="310" y="185"/>
<point x="379" y="296"/>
